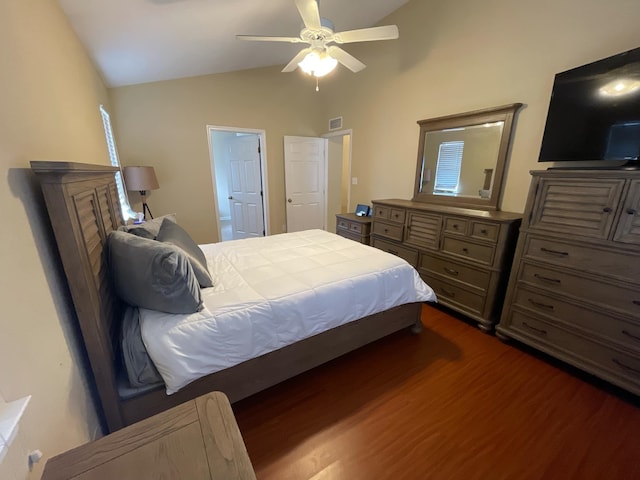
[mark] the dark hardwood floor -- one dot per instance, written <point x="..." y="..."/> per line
<point x="450" y="403"/>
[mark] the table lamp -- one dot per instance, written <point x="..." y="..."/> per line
<point x="141" y="179"/>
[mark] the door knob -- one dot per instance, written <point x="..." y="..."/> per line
<point x="289" y="200"/>
<point x="230" y="197"/>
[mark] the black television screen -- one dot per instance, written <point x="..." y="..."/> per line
<point x="594" y="112"/>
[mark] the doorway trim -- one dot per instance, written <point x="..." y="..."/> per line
<point x="262" y="134"/>
<point x="340" y="133"/>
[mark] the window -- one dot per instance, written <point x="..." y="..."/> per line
<point x="127" y="211"/>
<point x="10" y="414"/>
<point x="448" y="169"/>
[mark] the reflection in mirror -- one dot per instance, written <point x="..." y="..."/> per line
<point x="461" y="158"/>
<point x="461" y="161"/>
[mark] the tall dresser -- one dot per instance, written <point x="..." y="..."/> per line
<point x="574" y="291"/>
<point x="463" y="254"/>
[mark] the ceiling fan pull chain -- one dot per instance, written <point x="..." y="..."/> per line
<point x="317" y="84"/>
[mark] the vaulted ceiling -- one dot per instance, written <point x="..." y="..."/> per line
<point x="139" y="41"/>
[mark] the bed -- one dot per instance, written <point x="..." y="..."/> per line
<point x="83" y="207"/>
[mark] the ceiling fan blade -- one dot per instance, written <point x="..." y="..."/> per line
<point x="348" y="60"/>
<point x="387" y="32"/>
<point x="309" y="12"/>
<point x="293" y="64"/>
<point x="260" y="38"/>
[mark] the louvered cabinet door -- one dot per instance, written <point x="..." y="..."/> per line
<point x="423" y="230"/>
<point x="585" y="207"/>
<point x="628" y="230"/>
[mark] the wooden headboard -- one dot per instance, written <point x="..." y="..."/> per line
<point x="82" y="201"/>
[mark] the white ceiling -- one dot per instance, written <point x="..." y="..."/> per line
<point x="139" y="41"/>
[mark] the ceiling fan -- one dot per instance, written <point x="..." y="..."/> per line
<point x="320" y="57"/>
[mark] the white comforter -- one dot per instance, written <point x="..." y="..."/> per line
<point x="271" y="292"/>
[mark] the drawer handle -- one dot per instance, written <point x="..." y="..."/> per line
<point x="465" y="250"/>
<point x="631" y="211"/>
<point x="386" y="230"/>
<point x="554" y="252"/>
<point x="484" y="231"/>
<point x="396" y="215"/>
<point x="636" y="302"/>
<point x="448" y="293"/>
<point x="547" y="279"/>
<point x="625" y="367"/>
<point x="537" y="330"/>
<point x="455" y="226"/>
<point x="630" y="335"/>
<point x="451" y="271"/>
<point x="540" y="304"/>
<point x="607" y="209"/>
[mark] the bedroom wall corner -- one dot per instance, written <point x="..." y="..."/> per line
<point x="50" y="93"/>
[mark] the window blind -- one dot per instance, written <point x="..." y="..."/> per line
<point x="127" y="211"/>
<point x="448" y="168"/>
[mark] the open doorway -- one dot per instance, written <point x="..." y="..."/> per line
<point x="238" y="171"/>
<point x="338" y="176"/>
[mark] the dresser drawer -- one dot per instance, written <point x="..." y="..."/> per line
<point x="388" y="230"/>
<point x="608" y="363"/>
<point x="613" y="297"/>
<point x="601" y="262"/>
<point x="454" y="271"/>
<point x="343" y="224"/>
<point x="455" y="225"/>
<point x="355" y="227"/>
<point x="471" y="251"/>
<point x="448" y="293"/>
<point x="607" y="326"/>
<point x="407" y="254"/>
<point x="395" y="215"/>
<point x="353" y="236"/>
<point x="380" y="211"/>
<point x="485" y="231"/>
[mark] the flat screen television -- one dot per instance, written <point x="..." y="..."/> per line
<point x="594" y="113"/>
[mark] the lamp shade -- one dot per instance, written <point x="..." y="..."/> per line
<point x="140" y="178"/>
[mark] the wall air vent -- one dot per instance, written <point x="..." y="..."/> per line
<point x="335" y="123"/>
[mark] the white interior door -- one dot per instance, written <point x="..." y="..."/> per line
<point x="245" y="187"/>
<point x="304" y="168"/>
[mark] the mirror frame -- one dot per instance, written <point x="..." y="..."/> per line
<point x="504" y="113"/>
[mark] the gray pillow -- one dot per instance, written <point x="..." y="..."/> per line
<point x="152" y="274"/>
<point x="174" y="234"/>
<point x="149" y="228"/>
<point x="138" y="365"/>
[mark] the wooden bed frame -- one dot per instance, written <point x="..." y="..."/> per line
<point x="83" y="206"/>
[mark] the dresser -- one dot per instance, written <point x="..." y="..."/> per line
<point x="349" y="225"/>
<point x="199" y="439"/>
<point x="463" y="254"/>
<point x="574" y="291"/>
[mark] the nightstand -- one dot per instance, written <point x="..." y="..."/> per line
<point x="196" y="440"/>
<point x="349" y="225"/>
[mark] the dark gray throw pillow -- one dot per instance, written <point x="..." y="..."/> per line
<point x="174" y="234"/>
<point x="153" y="275"/>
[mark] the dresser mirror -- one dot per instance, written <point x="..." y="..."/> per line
<point x="461" y="158"/>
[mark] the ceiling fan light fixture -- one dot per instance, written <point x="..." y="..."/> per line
<point x="318" y="64"/>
